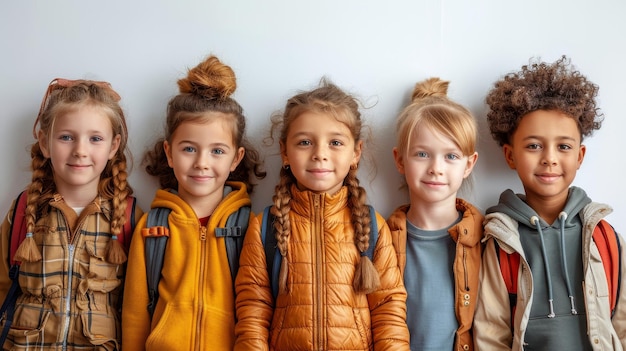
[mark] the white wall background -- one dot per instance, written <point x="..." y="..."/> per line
<point x="374" y="49"/>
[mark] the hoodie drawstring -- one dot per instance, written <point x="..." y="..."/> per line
<point x="562" y="218"/>
<point x="534" y="220"/>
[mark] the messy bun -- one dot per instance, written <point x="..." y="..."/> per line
<point x="207" y="88"/>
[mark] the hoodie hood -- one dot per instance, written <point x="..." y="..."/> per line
<point x="235" y="196"/>
<point x="515" y="206"/>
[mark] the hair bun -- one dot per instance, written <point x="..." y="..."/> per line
<point x="211" y="78"/>
<point x="431" y="87"/>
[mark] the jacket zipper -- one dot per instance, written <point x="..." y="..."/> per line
<point x="203" y="234"/>
<point x="71" y="249"/>
<point x="68" y="297"/>
<point x="318" y="335"/>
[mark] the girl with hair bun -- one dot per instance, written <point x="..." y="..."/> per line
<point x="437" y="235"/>
<point x="330" y="296"/>
<point x="204" y="165"/>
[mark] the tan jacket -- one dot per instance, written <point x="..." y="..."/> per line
<point x="492" y="323"/>
<point x="320" y="310"/>
<point x="71" y="298"/>
<point x="467" y="234"/>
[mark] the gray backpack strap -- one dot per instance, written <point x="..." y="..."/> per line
<point x="233" y="234"/>
<point x="155" y="240"/>
<point x="373" y="234"/>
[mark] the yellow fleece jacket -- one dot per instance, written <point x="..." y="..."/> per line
<point x="196" y="308"/>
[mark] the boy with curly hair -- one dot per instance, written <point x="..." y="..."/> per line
<point x="540" y="116"/>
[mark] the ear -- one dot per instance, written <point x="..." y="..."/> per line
<point x="398" y="160"/>
<point x="283" y="153"/>
<point x="115" y="145"/>
<point x="358" y="147"/>
<point x="168" y="153"/>
<point x="238" y="157"/>
<point x="508" y="155"/>
<point x="581" y="154"/>
<point x="43" y="144"/>
<point x="471" y="162"/>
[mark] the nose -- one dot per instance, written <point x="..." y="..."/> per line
<point x="549" y="157"/>
<point x="436" y="166"/>
<point x="320" y="152"/>
<point x="80" y="148"/>
<point x="201" y="161"/>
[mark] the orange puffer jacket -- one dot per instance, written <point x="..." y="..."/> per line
<point x="320" y="310"/>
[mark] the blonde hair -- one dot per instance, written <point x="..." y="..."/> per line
<point x="64" y="96"/>
<point x="430" y="107"/>
<point x="207" y="88"/>
<point x="330" y="100"/>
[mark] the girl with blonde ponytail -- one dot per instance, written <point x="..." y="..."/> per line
<point x="437" y="235"/>
<point x="331" y="295"/>
<point x="73" y="257"/>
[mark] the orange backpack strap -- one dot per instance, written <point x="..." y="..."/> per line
<point x="608" y="245"/>
<point x="509" y="267"/>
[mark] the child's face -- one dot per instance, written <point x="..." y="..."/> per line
<point x="434" y="167"/>
<point x="319" y="149"/>
<point x="79" y="146"/>
<point x="546" y="152"/>
<point x="202" y="155"/>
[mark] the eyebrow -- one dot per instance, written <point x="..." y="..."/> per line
<point x="218" y="144"/>
<point x="561" y="137"/>
<point x="308" y="134"/>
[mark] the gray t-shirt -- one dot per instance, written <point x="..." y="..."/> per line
<point x="429" y="281"/>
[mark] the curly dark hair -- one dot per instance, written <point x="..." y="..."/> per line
<point x="542" y="86"/>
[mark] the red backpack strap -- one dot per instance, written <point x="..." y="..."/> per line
<point x="18" y="226"/>
<point x="606" y="240"/>
<point x="129" y="225"/>
<point x="509" y="267"/>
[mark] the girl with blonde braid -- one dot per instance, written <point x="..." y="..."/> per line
<point x="73" y="258"/>
<point x="331" y="295"/>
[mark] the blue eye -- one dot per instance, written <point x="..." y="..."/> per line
<point x="66" y="137"/>
<point x="421" y="154"/>
<point x="97" y="139"/>
<point x="218" y="151"/>
<point x="189" y="149"/>
<point x="452" y="157"/>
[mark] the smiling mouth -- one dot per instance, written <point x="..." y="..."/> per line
<point x="548" y="178"/>
<point x="201" y="178"/>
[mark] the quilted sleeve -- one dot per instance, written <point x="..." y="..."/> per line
<point x="388" y="304"/>
<point x="254" y="297"/>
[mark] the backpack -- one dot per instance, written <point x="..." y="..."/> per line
<point x="272" y="260"/>
<point x="17" y="234"/>
<point x="157" y="233"/>
<point x="608" y="244"/>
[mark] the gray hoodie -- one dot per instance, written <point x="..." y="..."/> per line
<point x="554" y="252"/>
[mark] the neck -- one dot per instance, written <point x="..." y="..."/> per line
<point x="433" y="216"/>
